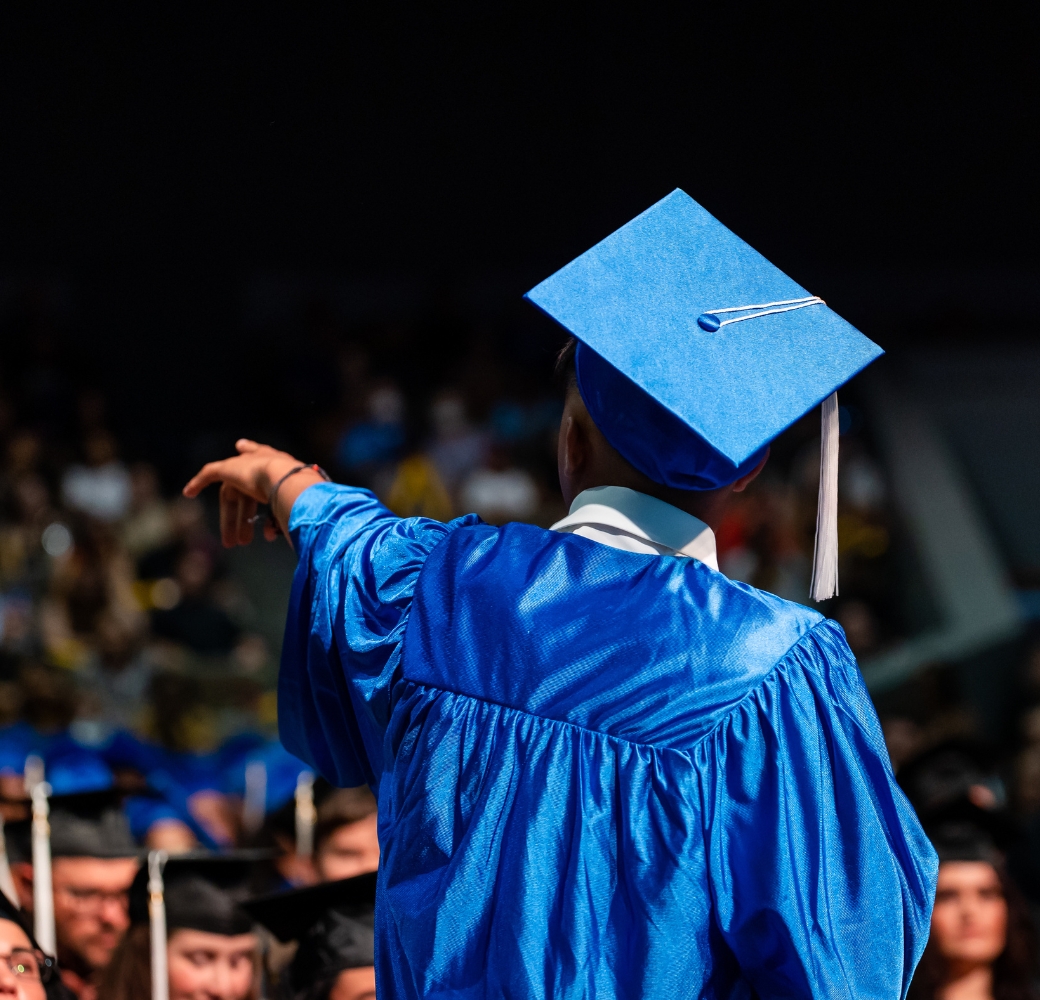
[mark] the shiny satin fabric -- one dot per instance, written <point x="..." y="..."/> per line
<point x="600" y="773"/>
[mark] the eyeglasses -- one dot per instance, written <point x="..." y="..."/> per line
<point x="29" y="965"/>
<point x="95" y="899"/>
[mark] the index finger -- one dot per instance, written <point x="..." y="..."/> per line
<point x="211" y="472"/>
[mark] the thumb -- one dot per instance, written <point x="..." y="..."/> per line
<point x="244" y="446"/>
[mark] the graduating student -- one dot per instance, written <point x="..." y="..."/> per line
<point x="25" y="971"/>
<point x="333" y="927"/>
<point x="343" y="840"/>
<point x="604" y="769"/>
<point x="209" y="950"/>
<point x="94" y="861"/>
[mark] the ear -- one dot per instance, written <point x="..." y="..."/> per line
<point x="22" y="876"/>
<point x="745" y="481"/>
<point x="574" y="445"/>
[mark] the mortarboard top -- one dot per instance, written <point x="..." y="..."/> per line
<point x="78" y="773"/>
<point x="17" y="741"/>
<point x="86" y="808"/>
<point x="333" y="923"/>
<point x="83" y="824"/>
<point x="201" y="892"/>
<point x="290" y="915"/>
<point x="707" y="328"/>
<point x="961" y="831"/>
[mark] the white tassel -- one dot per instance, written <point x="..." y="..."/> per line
<point x="306" y="814"/>
<point x="825" y="556"/>
<point x="6" y="882"/>
<point x="43" y="893"/>
<point x="157" y="925"/>
<point x="254" y="805"/>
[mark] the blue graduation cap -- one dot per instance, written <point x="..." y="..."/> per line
<point x="78" y="773"/>
<point x="694" y="352"/>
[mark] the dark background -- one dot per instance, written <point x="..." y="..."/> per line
<point x="156" y="166"/>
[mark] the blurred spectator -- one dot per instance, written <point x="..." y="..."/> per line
<point x="982" y="944"/>
<point x="50" y="702"/>
<point x="417" y="490"/>
<point x="860" y="624"/>
<point x="211" y="950"/>
<point x="457" y="447"/>
<point x="149" y="524"/>
<point x="93" y="576"/>
<point x="501" y="492"/>
<point x="24" y="452"/>
<point x="114" y="680"/>
<point x="346" y="839"/>
<point x="190" y="616"/>
<point x="101" y="487"/>
<point x="903" y="738"/>
<point x="369" y="445"/>
<point x="26" y="536"/>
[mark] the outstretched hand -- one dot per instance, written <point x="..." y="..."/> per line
<point x="246" y="481"/>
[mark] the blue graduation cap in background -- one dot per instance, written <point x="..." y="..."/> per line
<point x="695" y="352"/>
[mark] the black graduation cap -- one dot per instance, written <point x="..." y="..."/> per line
<point x="945" y="774"/>
<point x="83" y="824"/>
<point x="201" y="892"/>
<point x="961" y="831"/>
<point x="334" y="923"/>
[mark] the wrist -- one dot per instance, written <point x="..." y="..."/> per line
<point x="274" y="469"/>
<point x="286" y="489"/>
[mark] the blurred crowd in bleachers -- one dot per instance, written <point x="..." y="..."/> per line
<point x="128" y="638"/>
<point x="120" y="613"/>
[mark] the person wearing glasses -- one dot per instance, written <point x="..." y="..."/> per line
<point x="95" y="860"/>
<point x="25" y="972"/>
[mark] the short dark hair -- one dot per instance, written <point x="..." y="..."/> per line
<point x="564" y="368"/>
<point x="341" y="808"/>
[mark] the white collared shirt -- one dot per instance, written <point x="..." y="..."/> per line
<point x="626" y="519"/>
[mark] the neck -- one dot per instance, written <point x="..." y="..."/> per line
<point x="708" y="506"/>
<point x="968" y="981"/>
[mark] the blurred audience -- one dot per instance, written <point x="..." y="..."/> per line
<point x="94" y="862"/>
<point x="126" y="632"/>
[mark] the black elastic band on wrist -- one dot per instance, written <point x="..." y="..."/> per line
<point x="277" y="486"/>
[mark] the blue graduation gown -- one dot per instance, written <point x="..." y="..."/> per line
<point x="600" y="773"/>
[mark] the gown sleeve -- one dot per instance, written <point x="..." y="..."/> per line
<point x="351" y="595"/>
<point x="821" y="876"/>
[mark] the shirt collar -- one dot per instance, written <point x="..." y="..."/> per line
<point x="642" y="516"/>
